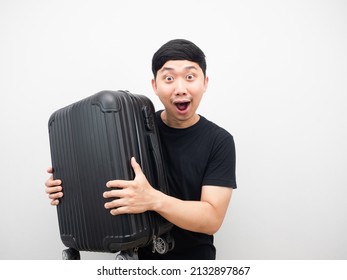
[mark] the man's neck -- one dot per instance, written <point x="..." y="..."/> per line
<point x="176" y="123"/>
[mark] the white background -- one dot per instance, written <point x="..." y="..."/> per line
<point x="278" y="84"/>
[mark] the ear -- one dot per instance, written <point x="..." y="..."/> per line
<point x="154" y="86"/>
<point x="206" y="84"/>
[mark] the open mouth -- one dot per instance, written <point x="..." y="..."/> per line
<point x="182" y="106"/>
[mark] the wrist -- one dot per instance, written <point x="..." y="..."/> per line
<point x="157" y="201"/>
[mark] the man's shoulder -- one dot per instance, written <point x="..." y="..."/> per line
<point x="214" y="128"/>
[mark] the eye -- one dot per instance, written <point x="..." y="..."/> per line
<point x="169" y="78"/>
<point x="190" y="77"/>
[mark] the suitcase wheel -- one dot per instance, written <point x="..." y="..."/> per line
<point x="71" y="254"/>
<point x="164" y="244"/>
<point x="127" y="255"/>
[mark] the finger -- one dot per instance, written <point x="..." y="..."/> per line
<point x="54" y="202"/>
<point x="50" y="170"/>
<point x="50" y="190"/>
<point x="55" y="195"/>
<point x="119" y="211"/>
<point x="52" y="183"/>
<point x="115" y="212"/>
<point x="114" y="204"/>
<point x="113" y="193"/>
<point x="117" y="184"/>
<point x="136" y="166"/>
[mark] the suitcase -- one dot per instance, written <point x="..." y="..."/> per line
<point x="92" y="142"/>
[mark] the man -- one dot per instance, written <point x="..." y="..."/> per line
<point x="200" y="158"/>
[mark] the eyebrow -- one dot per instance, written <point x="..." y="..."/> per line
<point x="171" y="69"/>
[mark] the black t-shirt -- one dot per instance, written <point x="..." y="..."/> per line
<point x="203" y="154"/>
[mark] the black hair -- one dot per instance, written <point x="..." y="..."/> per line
<point x="178" y="49"/>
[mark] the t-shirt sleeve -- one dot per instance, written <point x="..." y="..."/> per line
<point x="221" y="167"/>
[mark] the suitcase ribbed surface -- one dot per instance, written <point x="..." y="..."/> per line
<point x="91" y="143"/>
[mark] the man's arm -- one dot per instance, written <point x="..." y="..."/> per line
<point x="137" y="196"/>
<point x="205" y="216"/>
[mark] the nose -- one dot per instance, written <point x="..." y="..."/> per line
<point x="180" y="87"/>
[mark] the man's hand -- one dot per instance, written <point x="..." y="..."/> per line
<point x="134" y="196"/>
<point x="53" y="188"/>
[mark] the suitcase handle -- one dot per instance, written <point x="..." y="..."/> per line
<point x="159" y="165"/>
<point x="154" y="146"/>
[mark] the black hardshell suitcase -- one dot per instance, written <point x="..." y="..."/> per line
<point x="92" y="142"/>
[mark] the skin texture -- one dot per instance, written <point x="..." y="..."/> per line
<point x="180" y="85"/>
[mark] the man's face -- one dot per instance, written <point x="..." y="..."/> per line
<point x="180" y="85"/>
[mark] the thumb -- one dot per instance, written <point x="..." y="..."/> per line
<point x="136" y="166"/>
